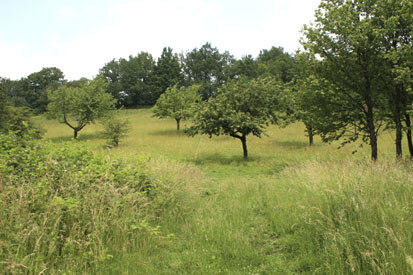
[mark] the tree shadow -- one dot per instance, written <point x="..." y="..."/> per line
<point x="218" y="158"/>
<point x="168" y="132"/>
<point x="80" y="137"/>
<point x="221" y="165"/>
<point x="292" y="144"/>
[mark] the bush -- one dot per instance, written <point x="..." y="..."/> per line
<point x="18" y="120"/>
<point x="65" y="208"/>
<point x="115" y="129"/>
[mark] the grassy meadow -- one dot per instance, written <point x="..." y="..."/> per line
<point x="289" y="209"/>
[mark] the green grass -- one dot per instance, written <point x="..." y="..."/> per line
<point x="289" y="209"/>
<point x="219" y="156"/>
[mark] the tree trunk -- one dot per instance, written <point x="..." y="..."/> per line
<point x="244" y="146"/>
<point x="399" y="135"/>
<point x="178" y="120"/>
<point x="310" y="135"/>
<point x="409" y="135"/>
<point x="398" y="120"/>
<point x="372" y="132"/>
<point x="371" y="129"/>
<point x="75" y="134"/>
<point x="373" y="145"/>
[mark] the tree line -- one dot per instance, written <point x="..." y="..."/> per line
<point x="140" y="80"/>
<point x="353" y="80"/>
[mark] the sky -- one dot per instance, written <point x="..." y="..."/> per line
<point x="80" y="36"/>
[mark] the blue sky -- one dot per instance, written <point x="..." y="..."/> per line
<point x="79" y="37"/>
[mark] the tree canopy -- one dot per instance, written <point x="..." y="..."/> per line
<point x="208" y="67"/>
<point x="277" y="63"/>
<point x="78" y="106"/>
<point x="348" y="71"/>
<point x="177" y="103"/>
<point x="130" y="80"/>
<point x="242" y="107"/>
<point x="167" y="73"/>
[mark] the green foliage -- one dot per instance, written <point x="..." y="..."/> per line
<point x="77" y="107"/>
<point x="62" y="206"/>
<point x="246" y="66"/>
<point x="394" y="22"/>
<point x="177" y="103"/>
<point x="115" y="129"/>
<point x="136" y="78"/>
<point x="242" y="107"/>
<point x="130" y="80"/>
<point x="208" y="67"/>
<point x="3" y="104"/>
<point x="349" y="71"/>
<point x="31" y="91"/>
<point x="16" y="120"/>
<point x="166" y="73"/>
<point x="39" y="83"/>
<point x="111" y="73"/>
<point x="19" y="122"/>
<point x="276" y="63"/>
<point x="359" y="70"/>
<point x="15" y="91"/>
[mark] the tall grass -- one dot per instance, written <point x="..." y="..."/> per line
<point x="345" y="217"/>
<point x="67" y="209"/>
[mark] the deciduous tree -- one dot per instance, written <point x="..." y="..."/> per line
<point x="38" y="84"/>
<point x="166" y="73"/>
<point x="393" y="20"/>
<point x="348" y="68"/>
<point x="78" y="107"/>
<point x="242" y="107"/>
<point x="177" y="103"/>
<point x="130" y="80"/>
<point x="208" y="67"/>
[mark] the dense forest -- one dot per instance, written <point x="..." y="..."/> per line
<point x="350" y="83"/>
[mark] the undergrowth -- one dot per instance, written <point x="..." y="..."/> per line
<point x="67" y="209"/>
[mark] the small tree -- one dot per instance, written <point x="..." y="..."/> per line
<point x="177" y="103"/>
<point x="242" y="107"/>
<point x="77" y="107"/>
<point x="115" y="129"/>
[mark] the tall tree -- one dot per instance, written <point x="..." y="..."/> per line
<point x="208" y="67"/>
<point x="38" y="83"/>
<point x="130" y="80"/>
<point x="79" y="106"/>
<point x="277" y="63"/>
<point x="166" y="73"/>
<point x="393" y="20"/>
<point x="111" y="73"/>
<point x="136" y="75"/>
<point x="349" y="68"/>
<point x="246" y="66"/>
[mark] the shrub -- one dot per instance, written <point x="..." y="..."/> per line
<point x="115" y="129"/>
<point x="65" y="208"/>
<point x="18" y="120"/>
